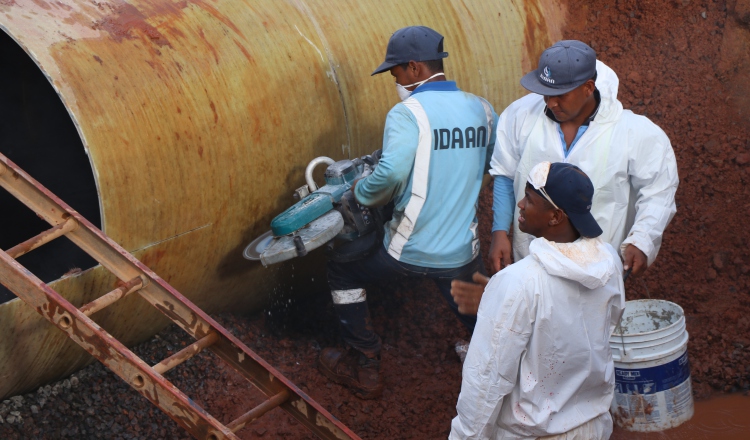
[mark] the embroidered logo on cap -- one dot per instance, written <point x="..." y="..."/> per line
<point x="546" y="76"/>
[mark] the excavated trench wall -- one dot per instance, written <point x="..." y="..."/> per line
<point x="192" y="123"/>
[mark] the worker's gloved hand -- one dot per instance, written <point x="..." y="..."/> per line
<point x="635" y="259"/>
<point x="467" y="295"/>
<point x="500" y="252"/>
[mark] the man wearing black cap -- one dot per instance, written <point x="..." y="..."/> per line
<point x="436" y="150"/>
<point x="539" y="364"/>
<point x="573" y="116"/>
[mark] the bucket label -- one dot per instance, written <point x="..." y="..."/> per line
<point x="653" y="412"/>
<point x="652" y="380"/>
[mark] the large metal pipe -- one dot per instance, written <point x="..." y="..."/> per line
<point x="199" y="116"/>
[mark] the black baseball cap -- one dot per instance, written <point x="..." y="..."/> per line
<point x="413" y="43"/>
<point x="571" y="190"/>
<point x="562" y="67"/>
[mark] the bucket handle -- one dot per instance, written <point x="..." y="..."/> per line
<point x="622" y="337"/>
<point x="619" y="323"/>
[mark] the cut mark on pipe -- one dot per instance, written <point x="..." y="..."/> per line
<point x="332" y="73"/>
<point x="311" y="43"/>
<point x="171" y="238"/>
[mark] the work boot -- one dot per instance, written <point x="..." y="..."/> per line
<point x="352" y="369"/>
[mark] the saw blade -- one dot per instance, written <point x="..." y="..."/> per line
<point x="256" y="247"/>
<point x="317" y="233"/>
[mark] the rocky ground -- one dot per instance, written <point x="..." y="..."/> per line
<point x="422" y="376"/>
<point x="676" y="65"/>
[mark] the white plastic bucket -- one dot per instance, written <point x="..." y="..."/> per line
<point x="652" y="372"/>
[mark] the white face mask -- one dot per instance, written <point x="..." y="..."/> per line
<point x="404" y="94"/>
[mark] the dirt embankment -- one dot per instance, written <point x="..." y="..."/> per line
<point x="684" y="64"/>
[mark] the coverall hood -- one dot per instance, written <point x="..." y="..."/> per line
<point x="585" y="261"/>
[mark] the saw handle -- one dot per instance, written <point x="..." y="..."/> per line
<point x="311" y="167"/>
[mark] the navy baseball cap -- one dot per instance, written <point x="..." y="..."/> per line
<point x="569" y="189"/>
<point x="413" y="43"/>
<point x="562" y="67"/>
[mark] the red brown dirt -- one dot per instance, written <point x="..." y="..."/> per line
<point x="675" y="60"/>
<point x="683" y="64"/>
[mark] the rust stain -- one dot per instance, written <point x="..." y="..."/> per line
<point x="124" y="21"/>
<point x="200" y="152"/>
<point x="191" y="425"/>
<point x="42" y="4"/>
<point x="98" y="60"/>
<point x="213" y="109"/>
<point x="218" y="15"/>
<point x="536" y="38"/>
<point x="169" y="310"/>
<point x="7" y="2"/>
<point x="63" y="6"/>
<point x="245" y="52"/>
<point x="210" y="46"/>
<point x="176" y="32"/>
<point x="153" y="258"/>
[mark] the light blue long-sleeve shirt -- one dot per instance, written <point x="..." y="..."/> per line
<point x="434" y="187"/>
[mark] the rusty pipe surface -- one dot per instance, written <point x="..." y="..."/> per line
<point x="199" y="116"/>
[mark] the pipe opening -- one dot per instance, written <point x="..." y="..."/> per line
<point x="38" y="134"/>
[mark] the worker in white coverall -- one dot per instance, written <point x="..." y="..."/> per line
<point x="573" y="116"/>
<point x="539" y="364"/>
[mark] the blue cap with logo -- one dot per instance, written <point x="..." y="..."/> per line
<point x="562" y="67"/>
<point x="413" y="43"/>
<point x="569" y="189"/>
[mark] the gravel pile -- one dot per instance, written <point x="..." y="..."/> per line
<point x="94" y="404"/>
<point x="422" y="375"/>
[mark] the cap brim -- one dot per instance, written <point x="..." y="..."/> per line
<point x="383" y="67"/>
<point x="585" y="224"/>
<point x="531" y="82"/>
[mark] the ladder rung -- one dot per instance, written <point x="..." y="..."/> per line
<point x="258" y="411"/>
<point x="115" y="295"/>
<point x="186" y="353"/>
<point x="45" y="237"/>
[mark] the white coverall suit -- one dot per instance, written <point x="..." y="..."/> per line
<point x="539" y="363"/>
<point x="628" y="158"/>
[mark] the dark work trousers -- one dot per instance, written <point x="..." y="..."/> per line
<point x="347" y="282"/>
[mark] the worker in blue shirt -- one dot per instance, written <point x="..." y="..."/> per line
<point x="436" y="150"/>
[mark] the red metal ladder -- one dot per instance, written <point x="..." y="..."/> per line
<point x="135" y="277"/>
